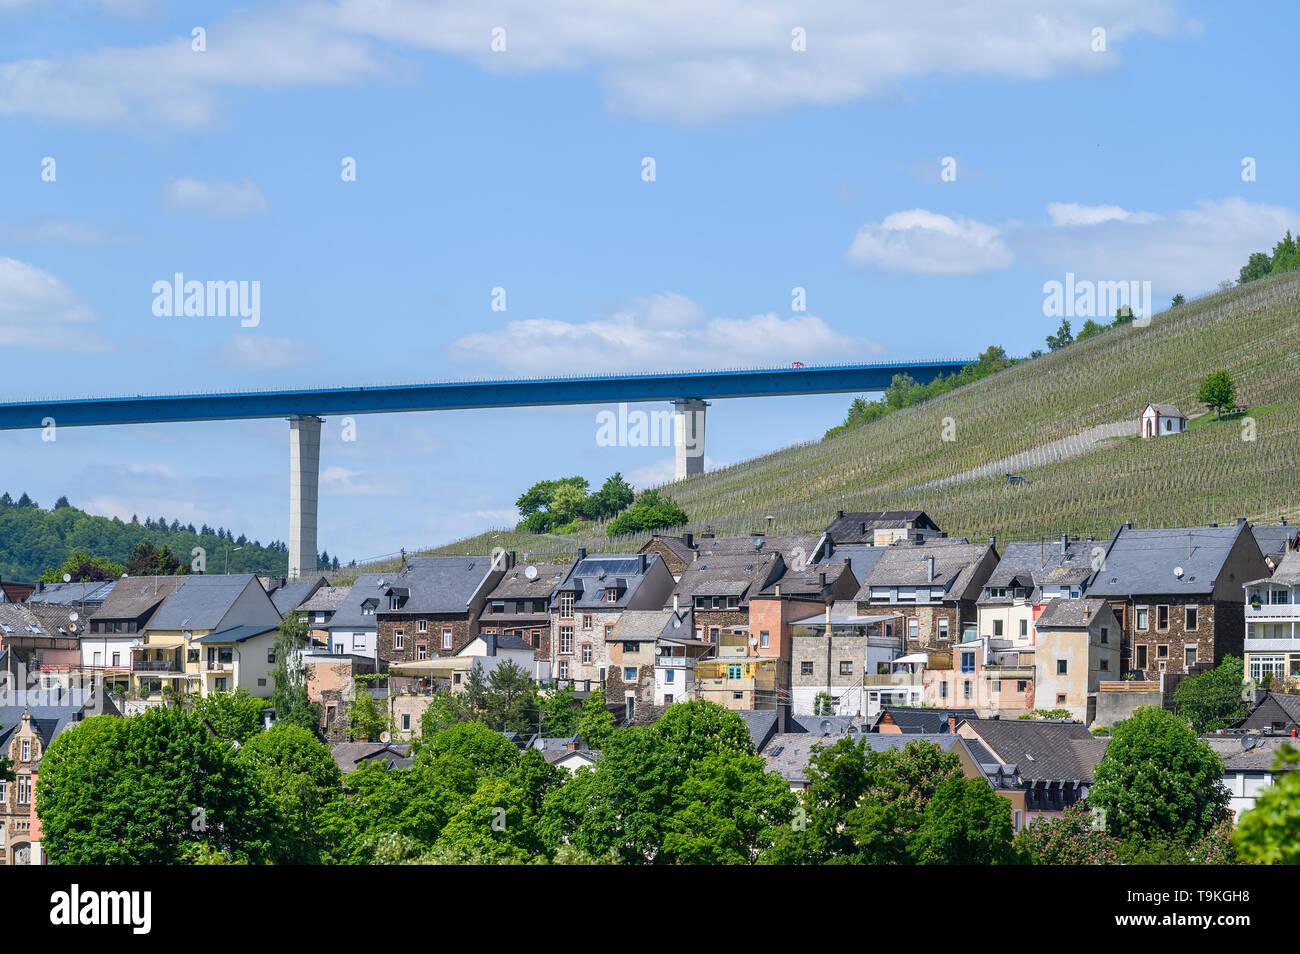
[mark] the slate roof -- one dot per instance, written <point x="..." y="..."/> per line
<point x="788" y="753"/>
<point x="201" y="601"/>
<point x="1070" y="614"/>
<point x="860" y="526"/>
<point x="922" y="721"/>
<point x="788" y="546"/>
<point x="1046" y="751"/>
<point x="325" y="600"/>
<point x="678" y="545"/>
<point x="807" y="582"/>
<point x="1042" y="563"/>
<point x="15" y="618"/>
<point x="1287" y="572"/>
<point x="1275" y="541"/>
<point x="436" y="585"/>
<point x="135" y="596"/>
<point x="1237" y="758"/>
<point x="861" y="558"/>
<point x="54" y="620"/>
<point x="1143" y="561"/>
<point x="516" y="585"/>
<point x="235" y="634"/>
<point x="559" y="755"/>
<point x="1167" y="410"/>
<point x="954" y="567"/>
<point x="72" y="594"/>
<point x="349" y="756"/>
<point x="643" y="626"/>
<point x="590" y="576"/>
<point x="47" y="720"/>
<point x="349" y="615"/>
<point x="731" y="573"/>
<point x="761" y="723"/>
<point x="288" y="596"/>
<point x="1264" y="710"/>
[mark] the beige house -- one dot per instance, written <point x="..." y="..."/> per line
<point x="1078" y="648"/>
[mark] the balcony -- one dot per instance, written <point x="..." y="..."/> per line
<point x="675" y="662"/>
<point x="213" y="666"/>
<point x="1273" y="611"/>
<point x="899" y="679"/>
<point x="155" y="665"/>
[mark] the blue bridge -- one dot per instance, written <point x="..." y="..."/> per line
<point x="688" y="391"/>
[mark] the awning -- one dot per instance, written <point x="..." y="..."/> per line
<point x="163" y="641"/>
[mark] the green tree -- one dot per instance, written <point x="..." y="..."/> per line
<point x="1265" y="835"/>
<point x="296" y="777"/>
<point x="1158" y="779"/>
<point x="1069" y="838"/>
<point x="289" y="692"/>
<point x="495" y="825"/>
<point x="445" y="709"/>
<point x="595" y="722"/>
<point x="651" y="511"/>
<point x="965" y="823"/>
<point x="1257" y="266"/>
<point x="233" y="716"/>
<point x="1090" y="329"/>
<point x="139" y="790"/>
<point x="1217" y="392"/>
<point x="1213" y="700"/>
<point x="1177" y="300"/>
<point x="561" y="712"/>
<point x="82" y="567"/>
<point x="366" y="720"/>
<point x="727" y="812"/>
<point x="1062" y="338"/>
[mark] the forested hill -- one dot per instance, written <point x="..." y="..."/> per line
<point x="34" y="540"/>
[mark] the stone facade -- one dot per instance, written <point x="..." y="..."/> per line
<point x="463" y="629"/>
<point x="17" y="797"/>
<point x="641" y="691"/>
<point x="1220" y="629"/>
<point x="588" y="655"/>
<point x="928" y="632"/>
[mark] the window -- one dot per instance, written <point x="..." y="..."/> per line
<point x="97" y="660"/>
<point x="1162" y="651"/>
<point x="1062" y="667"/>
<point x="4" y="792"/>
<point x="586" y="654"/>
<point x="421" y="650"/>
<point x="586" y="621"/>
<point x="367" y="608"/>
<point x="1162" y="618"/>
<point x="1189" y="618"/>
<point x="191" y="655"/>
<point x="996" y="685"/>
<point x="537" y="639"/>
<point x="539" y="606"/>
<point x="846" y="667"/>
<point x="446" y="637"/>
<point x="406" y="722"/>
<point x="117" y="660"/>
<point x="1140" y="613"/>
<point x="735" y="670"/>
<point x="912" y="628"/>
<point x="1105" y="635"/>
<point x="997" y="627"/>
<point x="564" y="669"/>
<point x="261" y="683"/>
<point x="668" y="698"/>
<point x="1022" y="685"/>
<point x="1024" y="628"/>
<point x="27" y="751"/>
<point x="764" y="638"/>
<point x="968" y="662"/>
<point x="399" y="639"/>
<point x="733" y="602"/>
<point x="632" y="646"/>
<point x="966" y="688"/>
<point x="1140" y="660"/>
<point x="270" y="656"/>
<point x="394" y="602"/>
<point x="358" y="642"/>
<point x="498" y="606"/>
<point x="943" y="690"/>
<point x="24" y="789"/>
<point x="566" y="605"/>
<point x="629" y="673"/>
<point x="1189" y="657"/>
<point x="1265" y="666"/>
<point x="421" y="625"/>
<point x="1060" y="698"/>
<point x="1103" y="664"/>
<point x="611" y="594"/>
<point x="805" y="668"/>
<point x="943" y="628"/>
<point x="566" y="639"/>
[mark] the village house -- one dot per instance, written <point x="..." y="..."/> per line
<point x="289" y="595"/>
<point x="588" y="603"/>
<point x="84" y="596"/>
<point x="1249" y="766"/>
<point x="1078" y="647"/>
<point x="1273" y="712"/>
<point x="717" y="587"/>
<point x="331" y="680"/>
<point x="910" y="721"/>
<point x="1178" y="594"/>
<point x="846" y="661"/>
<point x="117" y="626"/>
<point x="211" y="634"/>
<point x="652" y="657"/>
<point x="44" y="640"/>
<point x="1040" y="767"/>
<point x="432" y="607"/>
<point x="881" y="528"/>
<point x="519" y="605"/>
<point x="1159" y="420"/>
<point x="991" y="676"/>
<point x="1029" y="575"/>
<point x="1272" y="641"/>
<point x="26" y="731"/>
<point x="318" y="610"/>
<point x="789" y="753"/>
<point x="934" y="586"/>
<point x="1274" y="542"/>
<point x="352" y="629"/>
<point x="676" y="552"/>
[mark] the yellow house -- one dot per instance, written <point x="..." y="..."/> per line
<point x="212" y="633"/>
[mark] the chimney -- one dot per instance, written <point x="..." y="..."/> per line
<point x="1065" y="543"/>
<point x="690" y="540"/>
<point x="676" y="609"/>
<point x="952" y="722"/>
<point x="782" y="717"/>
<point x="839" y="515"/>
<point x="491" y="640"/>
<point x="929" y="569"/>
<point x="993" y="542"/>
<point x="571" y="745"/>
<point x="582" y="553"/>
<point x="828" y="619"/>
<point x="776" y="590"/>
<point x="821" y="579"/>
<point x="643" y="562"/>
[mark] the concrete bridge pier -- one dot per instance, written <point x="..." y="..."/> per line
<point x="688" y="437"/>
<point x="304" y="487"/>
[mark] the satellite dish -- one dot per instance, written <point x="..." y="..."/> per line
<point x="73" y="616"/>
<point x="67" y="578"/>
<point x="753" y="640"/>
<point x="1248" y="742"/>
<point x="530" y="572"/>
<point x="1178" y="572"/>
<point x="384" y="736"/>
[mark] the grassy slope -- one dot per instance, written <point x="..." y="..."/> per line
<point x="1209" y="474"/>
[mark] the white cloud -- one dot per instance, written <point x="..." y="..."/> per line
<point x="930" y="243"/>
<point x="254" y="352"/>
<point x="59" y="232"/>
<point x="677" y="59"/>
<point x="39" y="311"/>
<point x="153" y="469"/>
<point x="1188" y="250"/>
<point x="341" y="482"/>
<point x="659" y="333"/>
<point x="1066" y="214"/>
<point x="222" y="199"/>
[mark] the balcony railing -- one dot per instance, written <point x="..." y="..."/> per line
<point x="213" y="666"/>
<point x="675" y="662"/>
<point x="155" y="665"/>
<point x="901" y="679"/>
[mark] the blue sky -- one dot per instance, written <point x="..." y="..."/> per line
<point x="522" y="169"/>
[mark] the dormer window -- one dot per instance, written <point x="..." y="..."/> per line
<point x="566" y="605"/>
<point x="394" y="602"/>
<point x="611" y="594"/>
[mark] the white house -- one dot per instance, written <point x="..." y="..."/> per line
<point x="1161" y="419"/>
